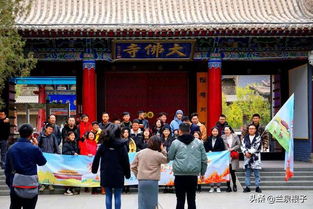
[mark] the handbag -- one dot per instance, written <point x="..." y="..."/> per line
<point x="24" y="186"/>
<point x="234" y="154"/>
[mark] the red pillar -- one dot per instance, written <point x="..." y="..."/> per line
<point x="89" y="103"/>
<point x="214" y="105"/>
<point x="41" y="117"/>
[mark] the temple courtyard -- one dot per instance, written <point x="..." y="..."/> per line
<point x="205" y="200"/>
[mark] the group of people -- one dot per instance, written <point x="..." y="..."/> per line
<point x="184" y="141"/>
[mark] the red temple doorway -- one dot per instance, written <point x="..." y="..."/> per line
<point x="152" y="92"/>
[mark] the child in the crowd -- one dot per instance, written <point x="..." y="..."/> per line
<point x="70" y="148"/>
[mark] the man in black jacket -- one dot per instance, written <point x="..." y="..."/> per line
<point x="137" y="135"/>
<point x="70" y="126"/>
<point x="105" y="124"/>
<point x="221" y="124"/>
<point x="4" y="135"/>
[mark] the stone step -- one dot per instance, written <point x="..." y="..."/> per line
<point x="4" y="193"/>
<point x="281" y="169"/>
<point x="282" y="173"/>
<point x="279" y="178"/>
<point x="282" y="183"/>
<point x="283" y="188"/>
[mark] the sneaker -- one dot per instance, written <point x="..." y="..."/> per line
<point x="218" y="190"/>
<point x="247" y="189"/>
<point x="68" y="192"/>
<point x="235" y="188"/>
<point x="51" y="188"/>
<point x="211" y="190"/>
<point x="258" y="190"/>
<point x="42" y="188"/>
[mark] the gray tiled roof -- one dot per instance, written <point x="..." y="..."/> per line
<point x="154" y="15"/>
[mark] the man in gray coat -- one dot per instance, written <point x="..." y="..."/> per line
<point x="189" y="161"/>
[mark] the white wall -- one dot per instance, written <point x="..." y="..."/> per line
<point x="298" y="84"/>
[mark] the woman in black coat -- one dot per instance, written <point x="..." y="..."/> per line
<point x="70" y="148"/>
<point x="114" y="165"/>
<point x="214" y="144"/>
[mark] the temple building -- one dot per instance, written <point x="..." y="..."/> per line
<point x="160" y="56"/>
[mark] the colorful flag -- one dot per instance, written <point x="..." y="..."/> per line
<point x="281" y="127"/>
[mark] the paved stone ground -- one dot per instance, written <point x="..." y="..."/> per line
<point x="205" y="200"/>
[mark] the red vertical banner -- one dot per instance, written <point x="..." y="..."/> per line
<point x="89" y="93"/>
<point x="41" y="117"/>
<point x="202" y="96"/>
<point x="214" y="101"/>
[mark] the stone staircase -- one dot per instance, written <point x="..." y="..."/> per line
<point x="273" y="179"/>
<point x="4" y="190"/>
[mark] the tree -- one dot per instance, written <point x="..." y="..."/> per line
<point x="13" y="59"/>
<point x="248" y="102"/>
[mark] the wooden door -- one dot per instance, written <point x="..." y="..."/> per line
<point x="149" y="91"/>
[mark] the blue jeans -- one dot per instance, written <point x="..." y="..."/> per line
<point x="117" y="197"/>
<point x="256" y="172"/>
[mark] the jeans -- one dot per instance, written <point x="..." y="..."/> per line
<point x="183" y="185"/>
<point x="148" y="194"/>
<point x="248" y="172"/>
<point x="3" y="148"/>
<point x="117" y="197"/>
<point x="18" y="202"/>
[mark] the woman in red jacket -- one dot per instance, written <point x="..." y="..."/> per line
<point x="88" y="145"/>
<point x="84" y="126"/>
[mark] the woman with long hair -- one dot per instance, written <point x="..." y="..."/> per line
<point x="232" y="143"/>
<point x="114" y="165"/>
<point x="214" y="144"/>
<point x="130" y="142"/>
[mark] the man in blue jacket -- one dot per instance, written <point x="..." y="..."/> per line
<point x="23" y="156"/>
<point x="177" y="121"/>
